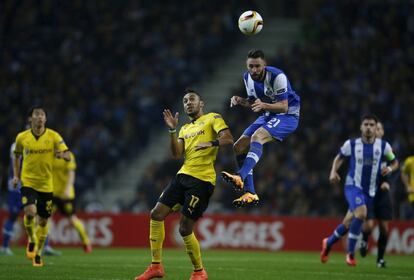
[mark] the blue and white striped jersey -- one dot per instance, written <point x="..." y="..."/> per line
<point x="365" y="162"/>
<point x="275" y="88"/>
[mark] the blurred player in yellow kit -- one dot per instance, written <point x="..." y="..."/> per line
<point x="64" y="195"/>
<point x="38" y="146"/>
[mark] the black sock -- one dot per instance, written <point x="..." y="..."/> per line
<point x="382" y="245"/>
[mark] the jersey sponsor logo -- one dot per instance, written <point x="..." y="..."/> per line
<point x="39" y="151"/>
<point x="193" y="134"/>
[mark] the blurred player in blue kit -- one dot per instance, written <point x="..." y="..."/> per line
<point x="365" y="155"/>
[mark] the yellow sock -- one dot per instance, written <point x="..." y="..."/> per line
<point x="78" y="225"/>
<point x="29" y="225"/>
<point x="157" y="234"/>
<point x="41" y="234"/>
<point x="193" y="250"/>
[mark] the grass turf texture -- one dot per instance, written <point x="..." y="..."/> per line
<point x="222" y="265"/>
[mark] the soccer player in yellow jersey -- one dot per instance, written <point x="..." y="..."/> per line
<point x="407" y="177"/>
<point x="192" y="187"/>
<point x="38" y="146"/>
<point x="64" y="195"/>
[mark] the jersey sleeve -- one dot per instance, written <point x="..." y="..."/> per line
<point x="280" y="87"/>
<point x="345" y="150"/>
<point x="18" y="148"/>
<point x="181" y="133"/>
<point x="59" y="143"/>
<point x="72" y="162"/>
<point x="388" y="153"/>
<point x="218" y="123"/>
<point x="408" y="163"/>
<point x="250" y="95"/>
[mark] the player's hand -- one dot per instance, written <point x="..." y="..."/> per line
<point x="235" y="100"/>
<point x="258" y="106"/>
<point x="203" y="145"/>
<point x="386" y="170"/>
<point x="334" y="178"/>
<point x="385" y="186"/>
<point x="15" y="181"/>
<point x="170" y="120"/>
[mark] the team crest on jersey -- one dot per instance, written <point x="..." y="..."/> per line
<point x="377" y="152"/>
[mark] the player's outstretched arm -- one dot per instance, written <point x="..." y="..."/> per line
<point x="278" y="107"/>
<point x="224" y="138"/>
<point x="237" y="100"/>
<point x="334" y="177"/>
<point x="176" y="145"/>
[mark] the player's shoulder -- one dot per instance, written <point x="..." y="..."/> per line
<point x="274" y="70"/>
<point x="24" y="133"/>
<point x="409" y="160"/>
<point x="213" y="116"/>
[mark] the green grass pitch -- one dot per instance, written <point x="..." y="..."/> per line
<point x="120" y="264"/>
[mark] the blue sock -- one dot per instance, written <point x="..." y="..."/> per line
<point x="354" y="231"/>
<point x="46" y="242"/>
<point x="252" y="159"/>
<point x="338" y="233"/>
<point x="248" y="182"/>
<point x="7" y="232"/>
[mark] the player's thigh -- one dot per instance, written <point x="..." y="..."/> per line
<point x="45" y="204"/>
<point x="260" y="121"/>
<point x="29" y="199"/>
<point x="241" y="146"/>
<point x="173" y="194"/>
<point x="383" y="206"/>
<point x="65" y="206"/>
<point x="197" y="197"/>
<point x="357" y="200"/>
<point x="280" y="126"/>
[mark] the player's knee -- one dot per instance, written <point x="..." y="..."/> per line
<point x="185" y="230"/>
<point x="42" y="222"/>
<point x="157" y="215"/>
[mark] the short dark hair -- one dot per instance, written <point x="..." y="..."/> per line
<point x="190" y="90"/>
<point x="35" y="107"/>
<point x="369" y="117"/>
<point x="256" y="54"/>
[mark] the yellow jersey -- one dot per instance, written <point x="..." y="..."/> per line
<point x="408" y="168"/>
<point x="200" y="164"/>
<point x="61" y="169"/>
<point x="38" y="155"/>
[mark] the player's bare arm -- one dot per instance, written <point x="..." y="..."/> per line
<point x="390" y="168"/>
<point x="224" y="138"/>
<point x="176" y="145"/>
<point x="237" y="100"/>
<point x="334" y="177"/>
<point x="405" y="178"/>
<point x="16" y="169"/>
<point x="278" y="107"/>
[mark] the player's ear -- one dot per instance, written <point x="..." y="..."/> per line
<point x="201" y="103"/>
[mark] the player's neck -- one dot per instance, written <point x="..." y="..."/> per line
<point x="38" y="130"/>
<point x="368" y="140"/>
<point x="193" y="119"/>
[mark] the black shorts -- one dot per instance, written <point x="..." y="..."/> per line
<point x="382" y="205"/>
<point x="64" y="206"/>
<point x="192" y="193"/>
<point x="42" y="200"/>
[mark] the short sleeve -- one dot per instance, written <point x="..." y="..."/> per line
<point x="72" y="162"/>
<point x="407" y="165"/>
<point x="219" y="123"/>
<point x="345" y="150"/>
<point x="388" y="153"/>
<point x="280" y="87"/>
<point x="59" y="143"/>
<point x="18" y="148"/>
<point x="181" y="133"/>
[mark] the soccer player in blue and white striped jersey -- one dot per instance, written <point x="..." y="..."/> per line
<point x="270" y="93"/>
<point x="365" y="156"/>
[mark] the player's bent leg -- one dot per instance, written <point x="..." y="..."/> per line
<point x="235" y="180"/>
<point x="325" y="250"/>
<point x="246" y="199"/>
<point x="366" y="232"/>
